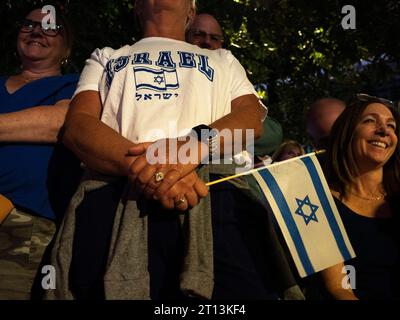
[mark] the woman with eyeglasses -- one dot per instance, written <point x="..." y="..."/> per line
<point x="33" y="104"/>
<point x="363" y="170"/>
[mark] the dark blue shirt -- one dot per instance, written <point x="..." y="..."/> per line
<point x="376" y="244"/>
<point x="24" y="167"/>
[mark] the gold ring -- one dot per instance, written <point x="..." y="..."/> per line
<point x="180" y="201"/>
<point x="159" y="176"/>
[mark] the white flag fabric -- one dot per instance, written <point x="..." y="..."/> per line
<point x="156" y="79"/>
<point x="306" y="213"/>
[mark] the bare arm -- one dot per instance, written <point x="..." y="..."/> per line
<point x="246" y="114"/>
<point x="101" y="148"/>
<point x="104" y="150"/>
<point x="39" y="124"/>
<point x="333" y="279"/>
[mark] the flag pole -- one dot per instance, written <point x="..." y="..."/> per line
<point x="261" y="168"/>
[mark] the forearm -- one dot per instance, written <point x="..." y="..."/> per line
<point x="34" y="125"/>
<point x="240" y="127"/>
<point x="334" y="280"/>
<point x="342" y="294"/>
<point x="98" y="146"/>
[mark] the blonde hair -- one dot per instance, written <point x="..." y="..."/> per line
<point x="289" y="143"/>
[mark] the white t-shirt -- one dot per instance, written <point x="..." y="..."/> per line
<point x="161" y="87"/>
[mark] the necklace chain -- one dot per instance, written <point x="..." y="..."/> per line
<point x="372" y="198"/>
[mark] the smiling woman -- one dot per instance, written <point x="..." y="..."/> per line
<point x="362" y="168"/>
<point x="33" y="104"/>
<point x="42" y="51"/>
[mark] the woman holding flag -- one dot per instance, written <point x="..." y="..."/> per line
<point x="363" y="170"/>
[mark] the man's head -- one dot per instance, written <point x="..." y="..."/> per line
<point x="180" y="13"/>
<point x="320" y="119"/>
<point x="205" y="32"/>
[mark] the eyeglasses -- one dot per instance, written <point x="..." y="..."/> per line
<point x="27" y="26"/>
<point x="202" y="34"/>
<point x="367" y="98"/>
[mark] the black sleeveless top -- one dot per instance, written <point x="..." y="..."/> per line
<point x="377" y="247"/>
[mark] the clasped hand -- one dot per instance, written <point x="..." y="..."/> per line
<point x="164" y="170"/>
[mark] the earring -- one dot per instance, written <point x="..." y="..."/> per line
<point x="64" y="61"/>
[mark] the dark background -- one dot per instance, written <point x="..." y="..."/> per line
<point x="297" y="47"/>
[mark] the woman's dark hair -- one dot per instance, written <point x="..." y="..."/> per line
<point x="340" y="165"/>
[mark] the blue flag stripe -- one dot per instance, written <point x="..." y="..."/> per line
<point x="327" y="208"/>
<point x="157" y="72"/>
<point x="289" y="221"/>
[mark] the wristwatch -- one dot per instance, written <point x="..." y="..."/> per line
<point x="209" y="136"/>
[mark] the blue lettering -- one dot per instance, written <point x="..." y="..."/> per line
<point x="109" y="73"/>
<point x="121" y="63"/>
<point x="165" y="60"/>
<point x="187" y="60"/>
<point x="205" y="68"/>
<point x="141" y="58"/>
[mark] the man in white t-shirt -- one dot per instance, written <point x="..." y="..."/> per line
<point x="133" y="99"/>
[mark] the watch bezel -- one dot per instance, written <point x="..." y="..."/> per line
<point x="209" y="139"/>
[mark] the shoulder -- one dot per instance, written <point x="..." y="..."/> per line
<point x="3" y="79"/>
<point x="62" y="81"/>
<point x="70" y="77"/>
<point x="341" y="206"/>
<point x="107" y="53"/>
<point x="226" y="55"/>
<point x="102" y="53"/>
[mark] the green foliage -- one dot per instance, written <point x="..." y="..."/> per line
<point x="297" y="47"/>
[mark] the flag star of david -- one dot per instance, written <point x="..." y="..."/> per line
<point x="159" y="79"/>
<point x="313" y="208"/>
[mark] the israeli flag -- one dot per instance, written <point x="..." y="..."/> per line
<point x="159" y="80"/>
<point x="306" y="213"/>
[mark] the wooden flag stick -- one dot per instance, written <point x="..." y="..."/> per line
<point x="261" y="168"/>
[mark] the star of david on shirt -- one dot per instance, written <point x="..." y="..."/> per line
<point x="313" y="208"/>
<point x="158" y="79"/>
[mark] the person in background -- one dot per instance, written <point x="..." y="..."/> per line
<point x="363" y="171"/>
<point x="287" y="150"/>
<point x="270" y="140"/>
<point x="33" y="104"/>
<point x="320" y="118"/>
<point x="205" y="32"/>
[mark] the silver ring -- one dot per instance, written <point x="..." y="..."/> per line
<point x="159" y="176"/>
<point x="180" y="201"/>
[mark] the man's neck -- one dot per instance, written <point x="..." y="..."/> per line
<point x="164" y="27"/>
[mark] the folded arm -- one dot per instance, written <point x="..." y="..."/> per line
<point x="39" y="124"/>
<point x="247" y="113"/>
<point x="98" y="146"/>
<point x="104" y="150"/>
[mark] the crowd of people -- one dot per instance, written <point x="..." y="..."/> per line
<point x="94" y="182"/>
